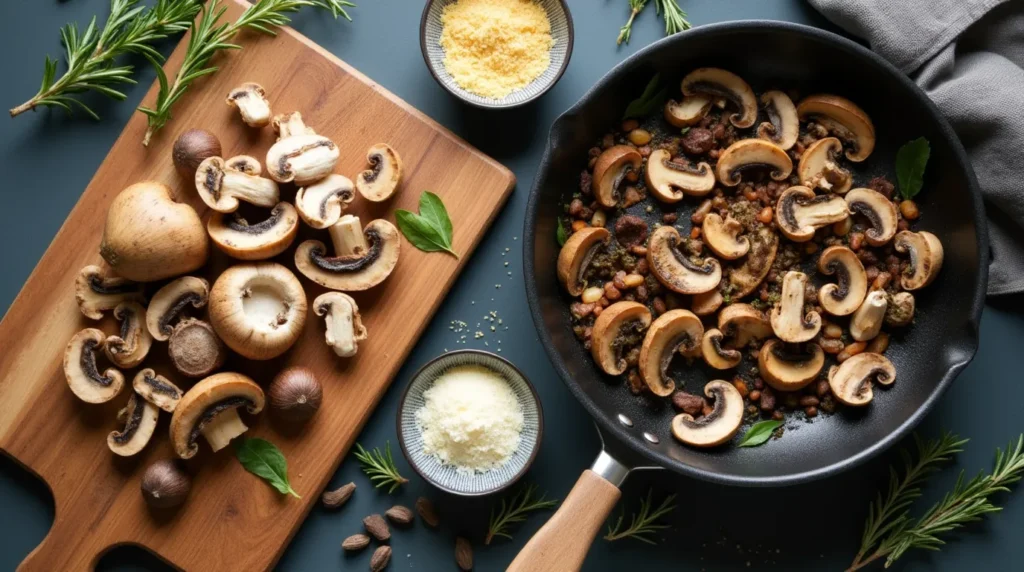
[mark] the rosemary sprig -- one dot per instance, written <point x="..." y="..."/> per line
<point x="380" y="467"/>
<point x="889" y="532"/>
<point x="90" y="54"/>
<point x="515" y="510"/>
<point x="644" y="523"/>
<point x="669" y="10"/>
<point x="635" y="7"/>
<point x="209" y="36"/>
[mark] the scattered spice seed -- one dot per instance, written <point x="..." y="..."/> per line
<point x="355" y="543"/>
<point x="377" y="527"/>
<point x="380" y="558"/>
<point x="337" y="498"/>
<point x="463" y="554"/>
<point x="399" y="515"/>
<point x="427" y="512"/>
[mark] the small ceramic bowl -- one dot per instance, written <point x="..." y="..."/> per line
<point x="433" y="55"/>
<point x="446" y="477"/>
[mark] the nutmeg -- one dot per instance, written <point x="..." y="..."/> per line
<point x="165" y="485"/>
<point x="191" y="148"/>
<point x="295" y="394"/>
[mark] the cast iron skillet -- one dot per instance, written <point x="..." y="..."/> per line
<point x="927" y="356"/>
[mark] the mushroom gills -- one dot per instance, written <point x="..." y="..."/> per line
<point x="926" y="256"/>
<point x="383" y="177"/>
<point x="82" y="372"/>
<point x="852" y="380"/>
<point x="818" y="167"/>
<point x="131" y="345"/>
<point x="302" y="159"/>
<point x="878" y="210"/>
<point x="847" y="294"/>
<point x="324" y="202"/>
<point x="344" y="324"/>
<point x="157" y="389"/>
<point x="790" y="367"/>
<point x="783" y="125"/>
<point x="364" y="257"/>
<point x="271" y="236"/>
<point x="748" y="154"/>
<point x="609" y="170"/>
<point x="719" y="425"/>
<point x="719" y="83"/>
<point x="219" y="423"/>
<point x="674" y="332"/>
<point x="97" y="293"/>
<point x="576" y="254"/>
<point x="799" y="212"/>
<point x="675" y="270"/>
<point x="717" y="356"/>
<point x="671" y="180"/>
<point x="140" y="422"/>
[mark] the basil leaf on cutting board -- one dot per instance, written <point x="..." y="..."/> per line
<point x="650" y="100"/>
<point x="911" y="160"/>
<point x="263" y="459"/>
<point x="431" y="229"/>
<point x="759" y="433"/>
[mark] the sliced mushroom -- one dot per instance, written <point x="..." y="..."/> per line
<point x="301" y="159"/>
<point x="788" y="320"/>
<point x="670" y="180"/>
<point x="783" y="125"/>
<point x="799" y="212"/>
<point x="715" y="354"/>
<point x="620" y="325"/>
<point x="157" y="389"/>
<point x="744" y="279"/>
<point x="900" y="310"/>
<point x="210" y="409"/>
<point x="83" y="374"/>
<point x="752" y="154"/>
<point x="195" y="349"/>
<point x="852" y="380"/>
<point x="290" y="124"/>
<point x="844" y="120"/>
<point x="140" y="418"/>
<point x="818" y="167"/>
<point x="363" y="257"/>
<point x="719" y="425"/>
<point x="707" y="303"/>
<point x="382" y="179"/>
<point x="322" y="203"/>
<point x="258" y="309"/>
<point x="251" y="100"/>
<point x="576" y="254"/>
<point x="867" y="320"/>
<point x="675" y="331"/>
<point x="688" y="111"/>
<point x="98" y="292"/>
<point x="169" y="301"/>
<point x="722" y="236"/>
<point x="719" y="83"/>
<point x="786" y="369"/>
<point x="344" y="324"/>
<point x="880" y="212"/>
<point x="609" y="170"/>
<point x="258" y="241"/>
<point x="742" y="324"/>
<point x="926" y="256"/>
<point x="244" y="164"/>
<point x="130" y="346"/>
<point x="221" y="187"/>
<point x="675" y="270"/>
<point x="846" y="295"/>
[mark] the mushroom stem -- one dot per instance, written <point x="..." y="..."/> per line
<point x="347" y="236"/>
<point x="223" y="428"/>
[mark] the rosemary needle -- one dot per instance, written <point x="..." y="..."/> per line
<point x="380" y="467"/>
<point x="644" y="523"/>
<point x="515" y="510"/>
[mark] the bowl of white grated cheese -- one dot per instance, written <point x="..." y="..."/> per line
<point x="470" y="423"/>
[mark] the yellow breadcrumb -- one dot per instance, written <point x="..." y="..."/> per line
<point x="494" y="47"/>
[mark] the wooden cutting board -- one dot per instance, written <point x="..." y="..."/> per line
<point x="232" y="520"/>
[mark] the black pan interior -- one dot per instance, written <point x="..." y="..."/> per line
<point x="927" y="357"/>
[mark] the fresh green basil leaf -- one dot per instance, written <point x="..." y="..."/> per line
<point x="911" y="160"/>
<point x="433" y="210"/>
<point x="263" y="459"/>
<point x="759" y="433"/>
<point x="561" y="233"/>
<point x="649" y="100"/>
<point x="431" y="230"/>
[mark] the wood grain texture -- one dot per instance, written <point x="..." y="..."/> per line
<point x="232" y="520"/>
<point x="562" y="543"/>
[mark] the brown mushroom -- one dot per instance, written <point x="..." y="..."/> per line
<point x="842" y="119"/>
<point x="722" y="236"/>
<point x="619" y="325"/>
<point x="745" y="278"/>
<point x="742" y="324"/>
<point x="844" y="296"/>
<point x="322" y="203"/>
<point x="671" y="180"/>
<point x="210" y="409"/>
<point x="675" y="331"/>
<point x="688" y="111"/>
<point x="783" y="125"/>
<point x="719" y="83"/>
<point x="719" y="425"/>
<point x="382" y="179"/>
<point x="131" y="344"/>
<point x="799" y="212"/>
<point x="787" y="317"/>
<point x="140" y="419"/>
<point x="852" y="380"/>
<point x="878" y="210"/>
<point x="82" y="372"/>
<point x="609" y="170"/>
<point x="576" y="254"/>
<point x="675" y="270"/>
<point x="818" y="167"/>
<point x="169" y="302"/>
<point x="715" y="353"/>
<point x="926" y="256"/>
<point x="363" y="257"/>
<point x="752" y="154"/>
<point x="97" y="292"/>
<point x="786" y="369"/>
<point x="237" y="238"/>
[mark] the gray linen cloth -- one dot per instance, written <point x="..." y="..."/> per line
<point x="968" y="55"/>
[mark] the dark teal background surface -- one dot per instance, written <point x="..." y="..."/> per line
<point x="46" y="160"/>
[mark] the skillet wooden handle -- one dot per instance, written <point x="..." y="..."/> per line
<point x="563" y="542"/>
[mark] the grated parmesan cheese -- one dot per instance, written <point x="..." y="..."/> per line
<point x="471" y="419"/>
<point x="494" y="47"/>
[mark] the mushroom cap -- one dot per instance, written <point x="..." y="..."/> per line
<point x="716" y="427"/>
<point x="880" y="212"/>
<point x="96" y="292"/>
<point x="301" y="159"/>
<point x="222" y="187"/>
<point x="607" y="328"/>
<point x="83" y="375"/>
<point x="609" y="170"/>
<point x="322" y="203"/>
<point x="783" y="125"/>
<point x="742" y="323"/>
<point x="382" y="179"/>
<point x="851" y="381"/>
<point x="354" y="272"/>
<point x="789" y="371"/>
<point x="344" y="324"/>
<point x="244" y="164"/>
<point x="818" y="168"/>
<point x="926" y="256"/>
<point x="169" y="301"/>
<point x="576" y="254"/>
<point x="900" y="310"/>
<point x="715" y="354"/>
<point x="706" y="303"/>
<point x="845" y="296"/>
<point x="867" y="320"/>
<point x="258" y="309"/>
<point x="207" y="399"/>
<point x="788" y="320"/>
<point x="265" y="239"/>
<point x="688" y="111"/>
<point x="674" y="331"/>
<point x="670" y="181"/>
<point x="675" y="270"/>
<point x="722" y="236"/>
<point x="745" y="278"/>
<point x="843" y="119"/>
<point x="140" y="423"/>
<point x="131" y="344"/>
<point x="799" y="212"/>
<point x="752" y="154"/>
<point x="251" y="100"/>
<point x="719" y="83"/>
<point x="156" y="389"/>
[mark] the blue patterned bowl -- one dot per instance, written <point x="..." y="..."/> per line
<point x="433" y="55"/>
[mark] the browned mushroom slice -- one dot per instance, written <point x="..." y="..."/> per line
<point x="789" y="368"/>
<point x="719" y="425"/>
<point x="715" y="354"/>
<point x="322" y="203"/>
<point x="799" y="212"/>
<point x="221" y="187"/>
<point x="675" y="270"/>
<point x="258" y="241"/>
<point x="842" y="119"/>
<point x="619" y="327"/>
<point x="576" y="254"/>
<point x="98" y="292"/>
<point x="210" y="409"/>
<point x="671" y="180"/>
<point x="675" y="331"/>
<point x="363" y="257"/>
<point x="744" y="279"/>
<point x="251" y="100"/>
<point x="783" y="125"/>
<point x="787" y="317"/>
<point x="742" y="324"/>
<point x="852" y="381"/>
<point x="719" y="83"/>
<point x="706" y="303"/>
<point x="609" y="170"/>
<point x="82" y="372"/>
<point x="130" y="346"/>
<point x="818" y="167"/>
<point x="382" y="179"/>
<point x="140" y="418"/>
<point x="722" y="236"/>
<point x="845" y="296"/>
<point x="900" y="310"/>
<point x="878" y="210"/>
<point x="688" y="111"/>
<point x="156" y="389"/>
<point x="926" y="256"/>
<point x="867" y="320"/>
<point x="171" y="300"/>
<point x="748" y="154"/>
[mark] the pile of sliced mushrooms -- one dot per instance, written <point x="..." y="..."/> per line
<point x="774" y="201"/>
<point x="255" y="308"/>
